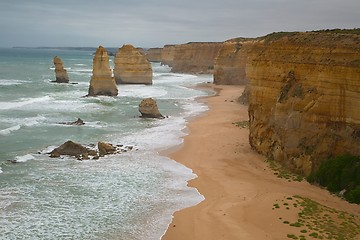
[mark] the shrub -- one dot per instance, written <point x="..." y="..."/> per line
<point x="337" y="174"/>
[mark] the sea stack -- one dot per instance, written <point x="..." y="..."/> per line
<point x="60" y="73"/>
<point x="102" y="82"/>
<point x="131" y="67"/>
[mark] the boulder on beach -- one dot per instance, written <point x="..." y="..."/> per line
<point x="102" y="82"/>
<point x="149" y="109"/>
<point x="60" y="72"/>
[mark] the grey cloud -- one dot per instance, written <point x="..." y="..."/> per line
<point x="157" y="22"/>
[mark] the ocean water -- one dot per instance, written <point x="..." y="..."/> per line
<point x="127" y="196"/>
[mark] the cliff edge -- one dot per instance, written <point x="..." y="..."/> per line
<point x="305" y="97"/>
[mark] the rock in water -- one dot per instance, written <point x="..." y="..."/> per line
<point x="60" y="73"/>
<point x="131" y="67"/>
<point x="149" y="109"/>
<point x="69" y="148"/>
<point x="102" y="82"/>
<point x="106" y="148"/>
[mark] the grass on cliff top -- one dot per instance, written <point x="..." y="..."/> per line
<point x="278" y="35"/>
<point x="355" y="31"/>
<point x="316" y="221"/>
<point x="340" y="174"/>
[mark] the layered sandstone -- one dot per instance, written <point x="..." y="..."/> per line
<point x="60" y="72"/>
<point x="153" y="54"/>
<point x="167" y="55"/>
<point x="102" y="82"/>
<point x="195" y="57"/>
<point x="230" y="63"/>
<point x="131" y="67"/>
<point x="305" y="97"/>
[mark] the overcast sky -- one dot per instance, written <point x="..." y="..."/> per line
<point x="153" y="23"/>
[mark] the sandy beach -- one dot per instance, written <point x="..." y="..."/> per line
<point x="239" y="187"/>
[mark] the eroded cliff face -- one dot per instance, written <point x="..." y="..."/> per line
<point x="153" y="54"/>
<point x="197" y="57"/>
<point x="167" y="55"/>
<point x="305" y="98"/>
<point x="230" y="63"/>
<point x="131" y="67"/>
<point x="102" y="82"/>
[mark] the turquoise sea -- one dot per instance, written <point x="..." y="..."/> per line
<point x="128" y="196"/>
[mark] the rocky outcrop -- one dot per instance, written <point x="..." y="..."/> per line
<point x="153" y="54"/>
<point x="195" y="57"/>
<point x="230" y="63"/>
<point x="131" y="67"/>
<point x="167" y="55"/>
<point x="305" y="97"/>
<point x="81" y="152"/>
<point x="102" y="82"/>
<point x="78" y="122"/>
<point x="71" y="148"/>
<point x="60" y="72"/>
<point x="149" y="109"/>
<point x="106" y="148"/>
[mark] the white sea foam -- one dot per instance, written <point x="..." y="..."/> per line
<point x="24" y="158"/>
<point x="23" y="102"/>
<point x="9" y="130"/>
<point x="28" y="122"/>
<point x="10" y="82"/>
<point x="141" y="91"/>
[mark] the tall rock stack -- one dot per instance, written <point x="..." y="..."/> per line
<point x="102" y="82"/>
<point x="305" y="97"/>
<point x="60" y="73"/>
<point x="131" y="67"/>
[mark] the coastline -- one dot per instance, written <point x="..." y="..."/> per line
<point x="239" y="187"/>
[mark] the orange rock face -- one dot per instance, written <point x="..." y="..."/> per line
<point x="305" y="98"/>
<point x="60" y="73"/>
<point x="195" y="57"/>
<point x="153" y="54"/>
<point x="102" y="82"/>
<point x="230" y="63"/>
<point x="131" y="67"/>
<point x="167" y="55"/>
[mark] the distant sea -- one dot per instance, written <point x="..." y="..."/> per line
<point x="127" y="196"/>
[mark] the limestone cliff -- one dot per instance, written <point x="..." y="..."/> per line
<point x="167" y="55"/>
<point x="230" y="63"/>
<point x="131" y="67"/>
<point x="195" y="57"/>
<point x="60" y="72"/>
<point x="102" y="82"/>
<point x="153" y="54"/>
<point x="305" y="97"/>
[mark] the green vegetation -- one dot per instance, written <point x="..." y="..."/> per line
<point x="316" y="221"/>
<point x="281" y="172"/>
<point x="276" y="36"/>
<point x="242" y="124"/>
<point x="339" y="174"/>
<point x="340" y="31"/>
